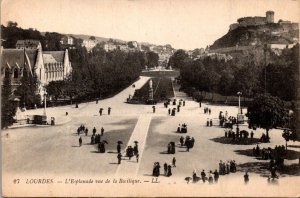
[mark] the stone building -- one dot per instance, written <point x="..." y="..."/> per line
<point x="47" y="66"/>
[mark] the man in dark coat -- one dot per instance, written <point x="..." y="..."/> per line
<point x="102" y="131"/>
<point x="80" y="141"/>
<point x="119" y="156"/>
<point x="181" y="141"/>
<point x="119" y="148"/>
<point x="100" y="111"/>
<point x="216" y="176"/>
<point x="165" y="168"/>
<point x="169" y="170"/>
<point x="109" y="110"/>
<point x="94" y="131"/>
<point x="203" y="176"/>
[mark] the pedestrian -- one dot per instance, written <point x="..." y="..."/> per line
<point x="207" y="122"/>
<point x="179" y="129"/>
<point x="67" y="113"/>
<point x="251" y="134"/>
<point x="169" y="111"/>
<point x="209" y="111"/>
<point x="86" y="131"/>
<point x="203" y="176"/>
<point x="246" y="177"/>
<point x="102" y="131"/>
<point x="109" y="110"/>
<point x="94" y="131"/>
<point x="119" y="156"/>
<point x="169" y="170"/>
<point x="100" y="111"/>
<point x="178" y="108"/>
<point x="119" y="148"/>
<point x="210" y="177"/>
<point x="153" y="109"/>
<point x="210" y="122"/>
<point x="174" y="162"/>
<point x="165" y="168"/>
<point x="200" y="104"/>
<point x="137" y="157"/>
<point x="184" y="103"/>
<point x="181" y="140"/>
<point x="80" y="141"/>
<point x="216" y="176"/>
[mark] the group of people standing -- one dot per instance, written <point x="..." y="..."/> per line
<point x="182" y="128"/>
<point x="167" y="168"/>
<point x="211" y="177"/>
<point x="206" y="110"/>
<point x="130" y="152"/>
<point x="187" y="141"/>
<point x="96" y="138"/>
<point x="227" y="168"/>
<point x="172" y="111"/>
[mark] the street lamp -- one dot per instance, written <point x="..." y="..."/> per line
<point x="45" y="100"/>
<point x="239" y="110"/>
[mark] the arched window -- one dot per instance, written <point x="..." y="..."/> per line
<point x="16" y="73"/>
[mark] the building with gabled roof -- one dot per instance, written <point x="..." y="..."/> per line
<point x="47" y="66"/>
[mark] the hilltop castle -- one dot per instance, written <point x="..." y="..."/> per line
<point x="259" y="21"/>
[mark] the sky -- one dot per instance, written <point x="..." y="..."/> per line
<point x="185" y="24"/>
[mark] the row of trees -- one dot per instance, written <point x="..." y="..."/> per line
<point x="241" y="74"/>
<point x="98" y="74"/>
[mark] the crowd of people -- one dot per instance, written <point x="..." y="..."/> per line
<point x="213" y="177"/>
<point x="129" y="152"/>
<point x="238" y="135"/>
<point x="276" y="155"/>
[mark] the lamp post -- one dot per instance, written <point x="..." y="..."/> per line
<point x="45" y="101"/>
<point x="239" y="94"/>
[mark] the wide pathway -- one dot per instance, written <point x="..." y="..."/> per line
<point x="130" y="168"/>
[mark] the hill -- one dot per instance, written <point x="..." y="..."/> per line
<point x="273" y="33"/>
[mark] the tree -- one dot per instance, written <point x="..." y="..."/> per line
<point x="289" y="135"/>
<point x="8" y="109"/>
<point x="178" y="59"/>
<point x="28" y="90"/>
<point x="55" y="89"/>
<point x="92" y="38"/>
<point x="152" y="59"/>
<point x="267" y="112"/>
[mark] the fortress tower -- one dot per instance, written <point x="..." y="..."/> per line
<point x="270" y="16"/>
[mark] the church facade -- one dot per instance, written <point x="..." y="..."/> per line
<point x="46" y="65"/>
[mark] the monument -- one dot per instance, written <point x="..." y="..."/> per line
<point x="150" y="98"/>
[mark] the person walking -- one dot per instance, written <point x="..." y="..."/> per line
<point x="108" y="110"/>
<point x="203" y="176"/>
<point x="137" y="157"/>
<point x="80" y="141"/>
<point x="181" y="140"/>
<point x="246" y="177"/>
<point x="153" y="109"/>
<point x="86" y="131"/>
<point x="165" y="168"/>
<point x="174" y="162"/>
<point x="169" y="111"/>
<point x="94" y="131"/>
<point x="102" y="131"/>
<point x="119" y="156"/>
<point x="100" y="111"/>
<point x="216" y="176"/>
